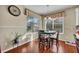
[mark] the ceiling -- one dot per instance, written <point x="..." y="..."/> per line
<point x="47" y="9"/>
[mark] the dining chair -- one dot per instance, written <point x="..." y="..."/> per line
<point x="77" y="43"/>
<point x="56" y="38"/>
<point x="46" y="41"/>
<point x="41" y="39"/>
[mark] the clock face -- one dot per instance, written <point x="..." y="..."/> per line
<point x="13" y="10"/>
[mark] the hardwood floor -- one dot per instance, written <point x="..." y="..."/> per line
<point x="32" y="47"/>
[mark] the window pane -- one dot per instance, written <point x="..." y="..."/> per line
<point x="58" y="25"/>
<point x="32" y="24"/>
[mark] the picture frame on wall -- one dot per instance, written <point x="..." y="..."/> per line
<point x="25" y="11"/>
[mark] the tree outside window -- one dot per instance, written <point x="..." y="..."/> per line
<point x="32" y="24"/>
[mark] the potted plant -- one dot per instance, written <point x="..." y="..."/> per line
<point x="15" y="40"/>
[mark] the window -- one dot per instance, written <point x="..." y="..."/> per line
<point x="49" y="25"/>
<point x="56" y="24"/>
<point x="59" y="24"/>
<point x="32" y="24"/>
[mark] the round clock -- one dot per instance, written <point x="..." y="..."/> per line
<point x="13" y="10"/>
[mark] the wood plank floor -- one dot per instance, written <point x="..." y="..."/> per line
<point x="32" y="47"/>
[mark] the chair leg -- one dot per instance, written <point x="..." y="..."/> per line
<point x="57" y="48"/>
<point x="51" y="43"/>
<point x="41" y="47"/>
<point x="77" y="50"/>
<point x="57" y="45"/>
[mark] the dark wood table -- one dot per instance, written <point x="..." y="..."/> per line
<point x="47" y="32"/>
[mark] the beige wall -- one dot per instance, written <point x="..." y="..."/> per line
<point x="69" y="24"/>
<point x="10" y="24"/>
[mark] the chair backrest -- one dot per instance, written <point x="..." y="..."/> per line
<point x="40" y="35"/>
<point x="40" y="32"/>
<point x="76" y="39"/>
<point x="77" y="45"/>
<point x="77" y="42"/>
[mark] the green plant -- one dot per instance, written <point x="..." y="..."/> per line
<point x="15" y="41"/>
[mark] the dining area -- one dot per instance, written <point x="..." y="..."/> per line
<point x="38" y="32"/>
<point x="44" y="30"/>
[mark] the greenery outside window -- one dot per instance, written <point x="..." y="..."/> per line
<point x="32" y="24"/>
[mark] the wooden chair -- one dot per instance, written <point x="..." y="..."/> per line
<point x="77" y="43"/>
<point x="41" y="40"/>
<point x="47" y="41"/>
<point x="56" y="39"/>
<point x="44" y="42"/>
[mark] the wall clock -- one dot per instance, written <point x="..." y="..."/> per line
<point x="13" y="10"/>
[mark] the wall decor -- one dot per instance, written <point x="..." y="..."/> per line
<point x="13" y="10"/>
<point x="26" y="11"/>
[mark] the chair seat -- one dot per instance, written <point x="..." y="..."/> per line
<point x="53" y="36"/>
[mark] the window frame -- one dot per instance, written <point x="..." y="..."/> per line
<point x="53" y="19"/>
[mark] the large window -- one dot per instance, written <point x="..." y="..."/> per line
<point x="32" y="24"/>
<point x="56" y="24"/>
